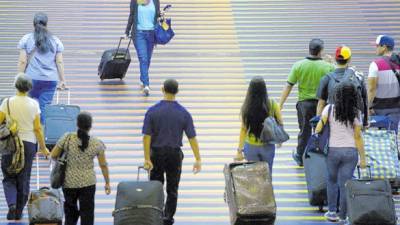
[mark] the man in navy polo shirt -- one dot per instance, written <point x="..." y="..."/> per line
<point x="163" y="128"/>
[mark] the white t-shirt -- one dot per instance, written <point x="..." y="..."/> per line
<point x="340" y="135"/>
<point x="23" y="109"/>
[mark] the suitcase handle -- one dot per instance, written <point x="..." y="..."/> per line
<point x="119" y="44"/>
<point x="138" y="172"/>
<point x="359" y="172"/>
<point x="68" y="95"/>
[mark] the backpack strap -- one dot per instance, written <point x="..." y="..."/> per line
<point x="272" y="109"/>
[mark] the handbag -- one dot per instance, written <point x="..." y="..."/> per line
<point x="319" y="142"/>
<point x="272" y="132"/>
<point x="8" y="133"/>
<point x="57" y="175"/>
<point x="163" y="31"/>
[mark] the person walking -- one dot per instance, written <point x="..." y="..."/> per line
<point x="345" y="145"/>
<point x="80" y="176"/>
<point x="142" y="20"/>
<point x="256" y="107"/>
<point x="383" y="86"/>
<point x="163" y="128"/>
<point x="307" y="73"/>
<point x="26" y="112"/>
<point x="41" y="58"/>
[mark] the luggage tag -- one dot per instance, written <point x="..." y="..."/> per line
<point x="165" y="25"/>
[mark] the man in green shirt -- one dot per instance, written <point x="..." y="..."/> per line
<point x="307" y="73"/>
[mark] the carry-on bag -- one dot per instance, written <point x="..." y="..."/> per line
<point x="249" y="193"/>
<point x="115" y="62"/>
<point x="163" y="31"/>
<point x="59" y="119"/>
<point x="139" y="203"/>
<point x="316" y="173"/>
<point x="45" y="206"/>
<point x="381" y="150"/>
<point x="370" y="202"/>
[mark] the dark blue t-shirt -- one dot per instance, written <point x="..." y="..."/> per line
<point x="165" y="123"/>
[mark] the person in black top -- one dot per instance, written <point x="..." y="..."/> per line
<point x="163" y="128"/>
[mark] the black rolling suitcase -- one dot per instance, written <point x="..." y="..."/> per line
<point x="115" y="62"/>
<point x="370" y="202"/>
<point x="249" y="193"/>
<point x="139" y="203"/>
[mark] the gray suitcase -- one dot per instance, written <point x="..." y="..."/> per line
<point x="139" y="203"/>
<point x="370" y="202"/>
<point x="249" y="193"/>
<point x="45" y="206"/>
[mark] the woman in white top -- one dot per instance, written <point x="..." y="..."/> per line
<point x="345" y="144"/>
<point x="26" y="112"/>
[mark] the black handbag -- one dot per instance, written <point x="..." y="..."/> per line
<point x="57" y="175"/>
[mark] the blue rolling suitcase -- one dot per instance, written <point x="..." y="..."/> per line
<point x="59" y="119"/>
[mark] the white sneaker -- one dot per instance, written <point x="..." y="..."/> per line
<point x="331" y="216"/>
<point x="141" y="85"/>
<point x="146" y="90"/>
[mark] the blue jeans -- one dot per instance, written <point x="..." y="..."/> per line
<point x="260" y="153"/>
<point x="16" y="188"/>
<point x="393" y="114"/>
<point x="341" y="163"/>
<point x="43" y="91"/>
<point x="144" y="45"/>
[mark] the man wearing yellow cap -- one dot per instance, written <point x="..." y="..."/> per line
<point x="342" y="73"/>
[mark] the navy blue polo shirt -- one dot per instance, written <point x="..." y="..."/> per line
<point x="165" y="122"/>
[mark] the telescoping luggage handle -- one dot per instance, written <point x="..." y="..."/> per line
<point x="68" y="95"/>
<point x="119" y="45"/>
<point x="138" y="173"/>
<point x="359" y="172"/>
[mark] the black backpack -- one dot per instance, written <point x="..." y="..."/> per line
<point x="395" y="59"/>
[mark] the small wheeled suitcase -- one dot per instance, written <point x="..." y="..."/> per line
<point x="249" y="193"/>
<point x="59" y="119"/>
<point x="139" y="202"/>
<point x="316" y="172"/>
<point x="115" y="62"/>
<point x="45" y="207"/>
<point x="370" y="202"/>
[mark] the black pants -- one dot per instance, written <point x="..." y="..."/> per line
<point x="16" y="187"/>
<point x="305" y="111"/>
<point x="85" y="196"/>
<point x="169" y="161"/>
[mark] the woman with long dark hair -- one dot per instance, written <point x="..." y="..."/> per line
<point x="345" y="144"/>
<point x="80" y="177"/>
<point x="256" y="107"/>
<point x="141" y="24"/>
<point x="41" y="59"/>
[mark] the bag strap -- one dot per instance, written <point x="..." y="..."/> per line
<point x="329" y="114"/>
<point x="396" y="73"/>
<point x="65" y="151"/>
<point x="272" y="109"/>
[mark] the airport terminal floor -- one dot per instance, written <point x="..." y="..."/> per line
<point x="218" y="47"/>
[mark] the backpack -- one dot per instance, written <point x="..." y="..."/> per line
<point x="395" y="59"/>
<point x="11" y="143"/>
<point x="273" y="132"/>
<point x="353" y="77"/>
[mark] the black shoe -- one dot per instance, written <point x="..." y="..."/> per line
<point x="168" y="221"/>
<point x="297" y="159"/>
<point x="18" y="214"/>
<point x="11" y="212"/>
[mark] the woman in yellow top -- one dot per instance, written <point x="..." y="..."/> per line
<point x="256" y="107"/>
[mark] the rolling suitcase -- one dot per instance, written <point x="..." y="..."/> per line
<point x="249" y="193"/>
<point x="59" y="119"/>
<point x="115" y="62"/>
<point x="316" y="172"/>
<point x="370" y="202"/>
<point x="45" y="207"/>
<point x="139" y="203"/>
